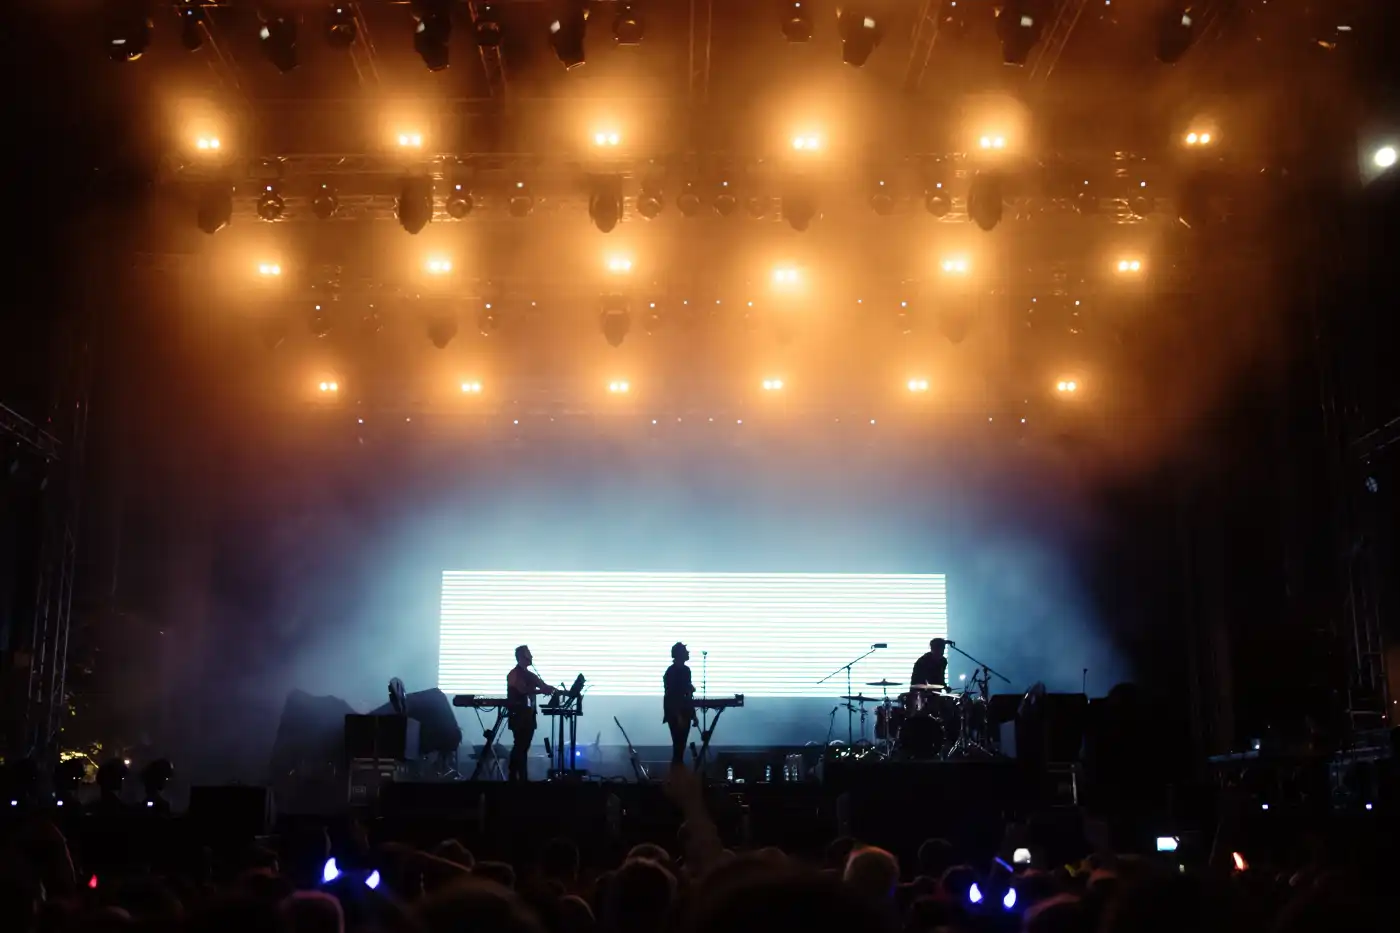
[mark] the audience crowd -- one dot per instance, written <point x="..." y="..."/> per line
<point x="296" y="883"/>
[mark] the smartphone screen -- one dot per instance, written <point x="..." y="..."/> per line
<point x="1167" y="843"/>
<point x="1021" y="857"/>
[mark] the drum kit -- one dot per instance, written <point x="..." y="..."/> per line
<point x="928" y="722"/>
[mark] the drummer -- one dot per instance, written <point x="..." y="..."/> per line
<point x="931" y="668"/>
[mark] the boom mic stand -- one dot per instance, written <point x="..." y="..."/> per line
<point x="965" y="745"/>
<point x="850" y="710"/>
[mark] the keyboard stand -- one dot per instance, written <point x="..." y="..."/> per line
<point x="702" y="756"/>
<point x="489" y="751"/>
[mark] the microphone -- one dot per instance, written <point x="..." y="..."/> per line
<point x="879" y="645"/>
<point x="952" y="644"/>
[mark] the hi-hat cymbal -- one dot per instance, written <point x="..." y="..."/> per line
<point x="928" y="686"/>
<point x="882" y="683"/>
<point x="858" y="698"/>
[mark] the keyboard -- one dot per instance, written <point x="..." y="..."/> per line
<point x="718" y="702"/>
<point x="472" y="701"/>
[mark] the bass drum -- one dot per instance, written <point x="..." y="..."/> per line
<point x="888" y="723"/>
<point x="921" y="737"/>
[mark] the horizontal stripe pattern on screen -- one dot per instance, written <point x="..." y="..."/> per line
<point x="768" y="635"/>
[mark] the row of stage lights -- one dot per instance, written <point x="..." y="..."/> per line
<point x="798" y="199"/>
<point x="615" y="316"/>
<point x="1020" y="26"/>
<point x="130" y="29"/>
<point x="918" y="385"/>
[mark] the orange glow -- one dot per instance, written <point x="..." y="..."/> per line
<point x="808" y="142"/>
<point x="772" y="385"/>
<point x="269" y="269"/>
<point x="328" y="387"/>
<point x="471" y="388"/>
<point x="438" y="266"/>
<point x="917" y="385"/>
<point x="607" y="139"/>
<point x="956" y="265"/>
<point x="619" y="387"/>
<point x="1067" y="386"/>
<point x="619" y="265"/>
<point x="410" y="140"/>
<point x="1129" y="266"/>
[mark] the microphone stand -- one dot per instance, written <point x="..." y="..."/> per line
<point x="850" y="710"/>
<point x="979" y="663"/>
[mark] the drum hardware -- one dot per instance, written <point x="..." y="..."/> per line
<point x="850" y="717"/>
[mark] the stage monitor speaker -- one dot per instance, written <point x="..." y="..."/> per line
<point x="1050" y="728"/>
<point x="233" y="811"/>
<point x="381" y="738"/>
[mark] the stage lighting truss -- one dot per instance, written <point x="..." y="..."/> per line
<point x="277" y="37"/>
<point x="341" y="29"/>
<point x="615" y="319"/>
<point x="432" y="33"/>
<point x="325" y="203"/>
<point x="688" y="201"/>
<point x="726" y="197"/>
<point x="628" y="27"/>
<point x="796" y="20"/>
<point x="651" y="199"/>
<point x="459" y="201"/>
<point x="567" y="34"/>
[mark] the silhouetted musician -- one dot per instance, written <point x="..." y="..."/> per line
<point x="677" y="707"/>
<point x="522" y="686"/>
<point x="932" y="668"/>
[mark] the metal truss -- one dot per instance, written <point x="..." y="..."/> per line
<point x="492" y="64"/>
<point x="926" y="23"/>
<point x="1052" y="46"/>
<point x="28" y="434"/>
<point x="46" y="703"/>
<point x="701" y="41"/>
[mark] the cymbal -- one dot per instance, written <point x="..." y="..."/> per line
<point x="883" y="683"/>
<point x="928" y="687"/>
<point x="858" y="698"/>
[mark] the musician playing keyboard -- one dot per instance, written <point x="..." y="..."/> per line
<point x="522" y="687"/>
<point x="677" y="705"/>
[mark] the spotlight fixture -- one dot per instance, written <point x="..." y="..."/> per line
<point x="937" y="200"/>
<point x="1129" y="266"/>
<point x="192" y="24"/>
<point x="432" y="29"/>
<point x="607" y="139"/>
<point x="471" y="388"/>
<point x="796" y="21"/>
<point x="992" y="142"/>
<point x="688" y="201"/>
<point x="328" y="387"/>
<point x="325" y="203"/>
<point x="757" y="206"/>
<point x="437" y="265"/>
<point x="207" y="145"/>
<point x="799" y="206"/>
<point x="619" y="387"/>
<point x="277" y="35"/>
<point x="1086" y="198"/>
<point x="128" y="33"/>
<point x="521" y="202"/>
<point x="628" y="27"/>
<point x="917" y="385"/>
<point x="1141" y="201"/>
<point x="415" y="205"/>
<point x="985" y="200"/>
<point x="269" y="269"/>
<point x="341" y="29"/>
<point x="772" y="385"/>
<point x="1019" y="28"/>
<point x="410" y="140"/>
<point x="861" y="31"/>
<point x="441" y="330"/>
<point x="1067" y="387"/>
<point x="615" y="320"/>
<point x="566" y="34"/>
<point x="487" y="25"/>
<point x="725" y="200"/>
<point x="1175" y="32"/>
<point x="320" y="321"/>
<point x="651" y="199"/>
<point x="785" y="276"/>
<point x="1197" y="139"/>
<point x="619" y="265"/>
<point x="488" y="319"/>
<point x="956" y="265"/>
<point x="882" y="198"/>
<point x="459" y="202"/>
<point x="270" y="203"/>
<point x="605" y="202"/>
<point x="1384" y="158"/>
<point x="806" y="143"/>
<point x="214" y="208"/>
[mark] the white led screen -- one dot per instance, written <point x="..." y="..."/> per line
<point x="767" y="634"/>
